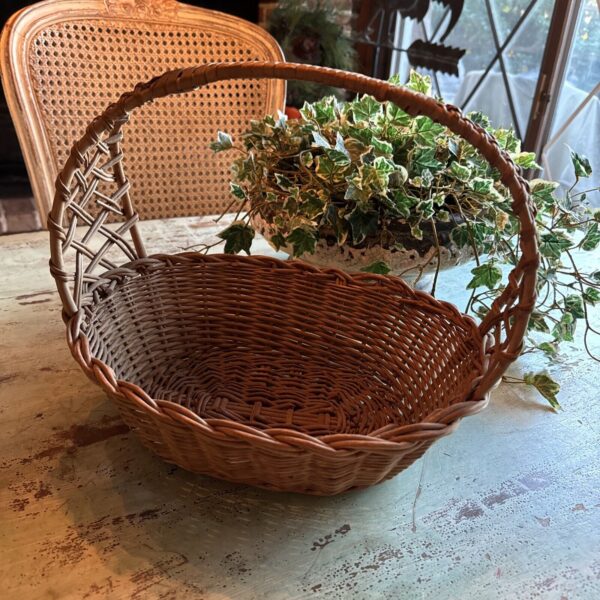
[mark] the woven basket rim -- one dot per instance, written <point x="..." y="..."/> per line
<point x="390" y="438"/>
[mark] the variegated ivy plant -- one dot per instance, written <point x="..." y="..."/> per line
<point x="365" y="173"/>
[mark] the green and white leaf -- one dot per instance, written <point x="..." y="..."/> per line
<point x="546" y="386"/>
<point x="238" y="237"/>
<point x="487" y="275"/>
<point x="224" y="142"/>
<point x="380" y="267"/>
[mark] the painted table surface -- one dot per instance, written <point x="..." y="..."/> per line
<point x="506" y="507"/>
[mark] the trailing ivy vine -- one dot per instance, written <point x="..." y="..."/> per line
<point x="364" y="173"/>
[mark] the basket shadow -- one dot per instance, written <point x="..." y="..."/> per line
<point x="187" y="530"/>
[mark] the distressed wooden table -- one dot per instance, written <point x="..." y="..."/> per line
<point x="506" y="507"/>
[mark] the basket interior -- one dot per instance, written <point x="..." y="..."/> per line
<point x="281" y="347"/>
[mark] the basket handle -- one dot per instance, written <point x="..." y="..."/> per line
<point x="509" y="312"/>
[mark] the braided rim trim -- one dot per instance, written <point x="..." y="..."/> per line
<point x="391" y="438"/>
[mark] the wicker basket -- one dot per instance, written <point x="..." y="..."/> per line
<point x="276" y="374"/>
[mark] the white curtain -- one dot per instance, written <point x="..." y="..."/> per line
<point x="582" y="134"/>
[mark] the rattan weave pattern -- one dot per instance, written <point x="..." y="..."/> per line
<point x="276" y="374"/>
<point x="255" y="348"/>
<point x="83" y="59"/>
<point x="167" y="158"/>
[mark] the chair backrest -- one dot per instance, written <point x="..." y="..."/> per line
<point x="64" y="61"/>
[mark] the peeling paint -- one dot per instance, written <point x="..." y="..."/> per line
<point x="330" y="537"/>
<point x="19" y="504"/>
<point x="469" y="510"/>
<point x="43" y="491"/>
<point x="505" y="507"/>
<point x="35" y="302"/>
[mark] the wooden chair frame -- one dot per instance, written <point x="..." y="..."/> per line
<point x="23" y="91"/>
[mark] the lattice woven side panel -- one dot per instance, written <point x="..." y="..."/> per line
<point x="80" y="67"/>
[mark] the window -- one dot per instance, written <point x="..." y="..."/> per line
<point x="514" y="72"/>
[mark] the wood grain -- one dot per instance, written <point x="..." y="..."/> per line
<point x="86" y="512"/>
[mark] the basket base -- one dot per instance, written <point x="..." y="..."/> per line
<point x="264" y="390"/>
<point x="279" y="375"/>
<point x="294" y="471"/>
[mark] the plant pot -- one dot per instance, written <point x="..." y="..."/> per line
<point x="415" y="262"/>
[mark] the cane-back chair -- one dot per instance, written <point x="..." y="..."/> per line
<point x="64" y="61"/>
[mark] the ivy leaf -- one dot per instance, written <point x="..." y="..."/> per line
<point x="591" y="238"/>
<point x="354" y="192"/>
<point x="564" y="330"/>
<point x="427" y="130"/>
<point x="425" y="158"/>
<point x="278" y="241"/>
<point x="461" y="172"/>
<point x="591" y="296"/>
<point x="404" y="203"/>
<point x="384" y="166"/>
<point x="363" y="134"/>
<point x="443" y="216"/>
<point x="546" y="386"/>
<point x="282" y="118"/>
<point x="327" y="168"/>
<point x="479" y="119"/>
<point x="502" y="220"/>
<point x="324" y="111"/>
<point x="366" y="109"/>
<point x="419" y="83"/>
<point x="482" y="186"/>
<point x="312" y="205"/>
<point x="283" y="182"/>
<point x="340" y="226"/>
<point x="542" y="193"/>
<point x="526" y="160"/>
<point x="224" y="142"/>
<point x="416" y="232"/>
<point x="362" y="223"/>
<point x="425" y="180"/>
<point x="238" y="237"/>
<point x="381" y="147"/>
<point x="574" y="305"/>
<point x="481" y="311"/>
<point x="340" y="146"/>
<point x="460" y="235"/>
<point x="306" y="158"/>
<point x="508" y="140"/>
<point x="581" y="165"/>
<point x="537" y="322"/>
<point x="595" y="276"/>
<point x="396" y="116"/>
<point x="320" y="140"/>
<point x="340" y="159"/>
<point x="550" y="349"/>
<point x="237" y="190"/>
<point x="308" y="111"/>
<point x="290" y="205"/>
<point x="488" y="275"/>
<point x="380" y="267"/>
<point x="244" y="169"/>
<point x="453" y="147"/>
<point x="303" y="240"/>
<point x="425" y="209"/>
<point x="480" y="232"/>
<point x="554" y="244"/>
